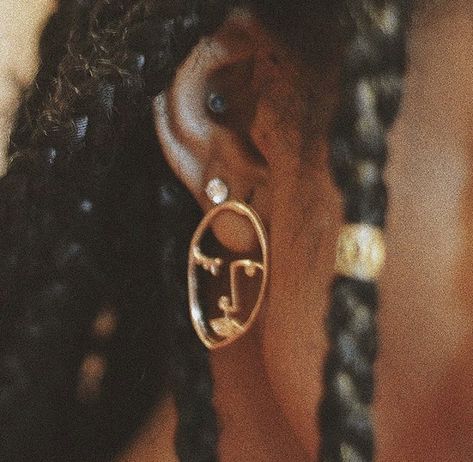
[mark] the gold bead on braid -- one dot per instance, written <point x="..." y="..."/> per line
<point x="361" y="252"/>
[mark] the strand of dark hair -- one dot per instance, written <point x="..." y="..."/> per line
<point x="372" y="79"/>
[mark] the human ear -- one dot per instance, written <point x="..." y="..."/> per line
<point x="203" y="123"/>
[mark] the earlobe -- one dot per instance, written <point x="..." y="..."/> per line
<point x="203" y="121"/>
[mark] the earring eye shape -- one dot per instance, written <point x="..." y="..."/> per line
<point x="217" y="103"/>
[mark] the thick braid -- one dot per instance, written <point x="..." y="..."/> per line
<point x="81" y="223"/>
<point x="371" y="92"/>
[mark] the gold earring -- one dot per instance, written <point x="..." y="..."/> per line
<point x="230" y="320"/>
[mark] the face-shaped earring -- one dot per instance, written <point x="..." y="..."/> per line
<point x="229" y="320"/>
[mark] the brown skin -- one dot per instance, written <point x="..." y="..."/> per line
<point x="268" y="384"/>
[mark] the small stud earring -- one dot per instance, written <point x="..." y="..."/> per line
<point x="217" y="191"/>
<point x="229" y="319"/>
<point x="217" y="103"/>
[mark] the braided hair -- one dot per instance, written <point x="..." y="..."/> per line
<point x="95" y="224"/>
<point x="372" y="78"/>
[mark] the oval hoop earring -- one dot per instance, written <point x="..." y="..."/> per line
<point x="231" y="320"/>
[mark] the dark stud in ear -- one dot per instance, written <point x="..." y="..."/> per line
<point x="217" y="103"/>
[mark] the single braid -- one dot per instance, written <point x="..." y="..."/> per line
<point x="371" y="93"/>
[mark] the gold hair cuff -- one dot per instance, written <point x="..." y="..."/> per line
<point x="361" y="252"/>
